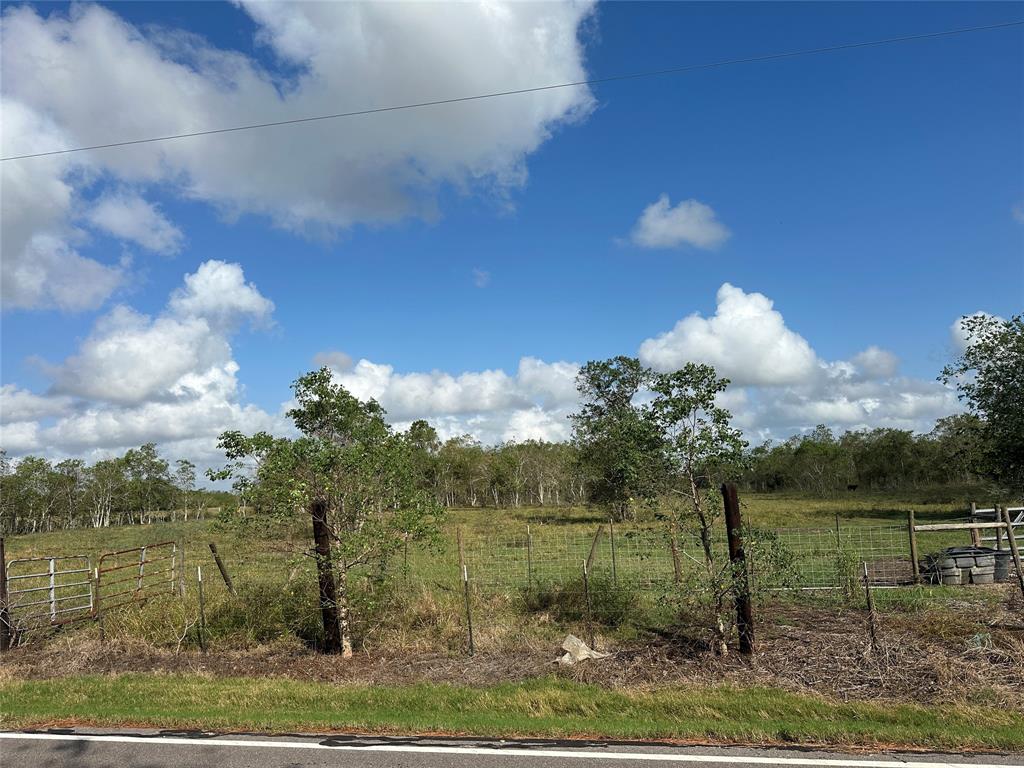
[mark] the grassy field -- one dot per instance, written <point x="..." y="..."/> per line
<point x="260" y="672"/>
<point x="539" y="708"/>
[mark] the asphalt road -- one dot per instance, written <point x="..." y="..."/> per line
<point x="94" y="748"/>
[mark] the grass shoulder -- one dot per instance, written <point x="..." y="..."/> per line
<point x="543" y="707"/>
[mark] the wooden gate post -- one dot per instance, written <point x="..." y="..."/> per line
<point x="325" y="578"/>
<point x="738" y="559"/>
<point x="1011" y="539"/>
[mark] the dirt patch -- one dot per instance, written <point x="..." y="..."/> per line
<point x="972" y="651"/>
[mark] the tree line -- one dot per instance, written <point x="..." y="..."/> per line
<point x="138" y="487"/>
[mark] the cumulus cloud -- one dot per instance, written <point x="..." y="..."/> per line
<point x="135" y="378"/>
<point x="875" y="362"/>
<point x="127" y="216"/>
<point x="691" y="222"/>
<point x="959" y="336"/>
<point x="172" y="378"/>
<point x="89" y="71"/>
<point x="41" y="266"/>
<point x="746" y="340"/>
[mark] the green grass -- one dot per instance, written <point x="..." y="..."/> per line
<point x="541" y="708"/>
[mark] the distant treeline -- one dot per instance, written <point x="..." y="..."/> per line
<point x="138" y="487"/>
<point x="463" y="473"/>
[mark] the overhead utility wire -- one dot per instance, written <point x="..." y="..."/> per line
<point x="536" y="89"/>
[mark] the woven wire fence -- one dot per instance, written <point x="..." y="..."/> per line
<point x="645" y="558"/>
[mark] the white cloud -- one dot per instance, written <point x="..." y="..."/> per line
<point x="40" y="265"/>
<point x="95" y="76"/>
<point x="746" y="340"/>
<point x="135" y="378"/>
<point x="217" y="292"/>
<point x="20" y="405"/>
<point x="958" y="334"/>
<point x="876" y="363"/>
<point x="127" y="216"/>
<point x="691" y="222"/>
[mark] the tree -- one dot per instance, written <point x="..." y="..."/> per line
<point x="618" y="443"/>
<point x="988" y="378"/>
<point x="185" y="484"/>
<point x="702" y="447"/>
<point x="356" y="479"/>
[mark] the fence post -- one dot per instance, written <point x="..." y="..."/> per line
<point x="615" y="565"/>
<point x="223" y="571"/>
<point x="469" y="612"/>
<point x="871" y="607"/>
<point x="529" y="559"/>
<point x="52" y="572"/>
<point x="677" y="567"/>
<point x="5" y="611"/>
<point x="975" y="533"/>
<point x="912" y="532"/>
<point x="202" y="609"/>
<point x="593" y="546"/>
<point x="590" y="611"/>
<point x="96" y="611"/>
<point x="738" y="559"/>
<point x="999" y="531"/>
<point x="182" y="571"/>
<point x="1011" y="539"/>
<point x="142" y="568"/>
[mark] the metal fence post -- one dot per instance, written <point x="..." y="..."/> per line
<point x="529" y="559"/>
<point x="202" y="609"/>
<point x="586" y="595"/>
<point x="871" y="608"/>
<point x="142" y="568"/>
<point x="52" y="568"/>
<point x="915" y="566"/>
<point x="5" y="612"/>
<point x="469" y="612"/>
<point x="615" y="563"/>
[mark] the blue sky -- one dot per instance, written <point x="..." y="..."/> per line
<point x="869" y="194"/>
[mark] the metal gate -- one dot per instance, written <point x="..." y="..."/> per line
<point x="46" y="592"/>
<point x="135" y="575"/>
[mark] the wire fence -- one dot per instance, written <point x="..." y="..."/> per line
<point x="648" y="558"/>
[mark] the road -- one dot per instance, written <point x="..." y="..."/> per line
<point x="96" y="748"/>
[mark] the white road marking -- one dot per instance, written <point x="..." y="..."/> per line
<point x="499" y="751"/>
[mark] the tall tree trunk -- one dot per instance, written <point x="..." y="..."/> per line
<point x="325" y="577"/>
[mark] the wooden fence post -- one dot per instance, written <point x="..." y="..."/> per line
<point x="223" y="571"/>
<point x="1011" y="539"/>
<point x="999" y="531"/>
<point x="975" y="533"/>
<point x="5" y="611"/>
<point x="738" y="560"/>
<point x="915" y="566"/>
<point x="677" y="567"/>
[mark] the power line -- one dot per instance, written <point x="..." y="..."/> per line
<point x="535" y="89"/>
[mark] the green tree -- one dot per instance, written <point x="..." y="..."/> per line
<point x="619" y="445"/>
<point x="988" y="378"/>
<point x="702" y="448"/>
<point x="351" y="473"/>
